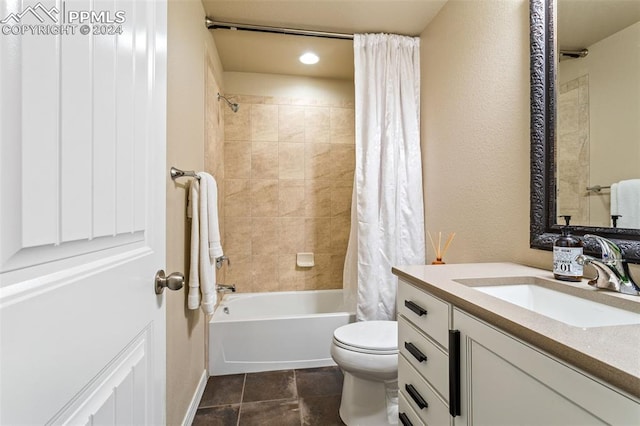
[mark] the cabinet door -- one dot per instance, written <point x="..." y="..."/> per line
<point x="507" y="382"/>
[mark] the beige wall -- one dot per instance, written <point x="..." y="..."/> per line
<point x="189" y="43"/>
<point x="475" y="131"/>
<point x="289" y="162"/>
<point x="329" y="91"/>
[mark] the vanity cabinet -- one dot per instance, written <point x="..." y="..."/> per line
<point x="423" y="364"/>
<point x="502" y="380"/>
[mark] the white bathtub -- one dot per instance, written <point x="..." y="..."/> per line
<point x="253" y="332"/>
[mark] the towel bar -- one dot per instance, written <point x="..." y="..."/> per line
<point x="597" y="188"/>
<point x="177" y="173"/>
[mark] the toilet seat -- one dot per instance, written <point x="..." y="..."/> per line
<point x="369" y="337"/>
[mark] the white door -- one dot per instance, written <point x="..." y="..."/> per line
<point x="82" y="211"/>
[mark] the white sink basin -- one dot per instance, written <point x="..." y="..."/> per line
<point x="562" y="307"/>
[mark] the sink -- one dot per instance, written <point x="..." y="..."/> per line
<point x="567" y="308"/>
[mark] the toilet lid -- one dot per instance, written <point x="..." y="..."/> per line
<point x="369" y="336"/>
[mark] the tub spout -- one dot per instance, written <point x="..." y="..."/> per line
<point x="223" y="288"/>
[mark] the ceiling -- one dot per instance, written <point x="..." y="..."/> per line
<point x="278" y="54"/>
<point x="581" y="23"/>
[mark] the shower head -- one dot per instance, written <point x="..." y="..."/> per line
<point x="234" y="106"/>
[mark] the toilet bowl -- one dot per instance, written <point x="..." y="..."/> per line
<point x="367" y="354"/>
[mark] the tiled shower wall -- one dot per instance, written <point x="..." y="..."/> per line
<point x="572" y="156"/>
<point x="214" y="146"/>
<point x="288" y="178"/>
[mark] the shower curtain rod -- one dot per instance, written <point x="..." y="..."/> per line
<point x="212" y="25"/>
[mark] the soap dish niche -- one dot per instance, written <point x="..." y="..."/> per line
<point x="305" y="260"/>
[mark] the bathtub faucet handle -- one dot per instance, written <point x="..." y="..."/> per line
<point x="220" y="261"/>
<point x="223" y="288"/>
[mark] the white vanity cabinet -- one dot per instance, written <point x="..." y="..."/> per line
<point x="423" y="364"/>
<point x="502" y="380"/>
<point x="506" y="381"/>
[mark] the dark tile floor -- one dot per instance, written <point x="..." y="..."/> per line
<point x="309" y="397"/>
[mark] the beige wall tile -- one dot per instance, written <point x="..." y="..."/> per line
<point x="264" y="273"/>
<point x="340" y="227"/>
<point x="317" y="124"/>
<point x="318" y="277"/>
<point x="264" y="123"/>
<point x="246" y="100"/>
<point x="317" y="161"/>
<point x="317" y="235"/>
<point x="337" y="270"/>
<point x="291" y="161"/>
<point x="264" y="235"/>
<point x="237" y="198"/>
<point x="317" y="198"/>
<point x="237" y="125"/>
<point x="290" y="276"/>
<point x="287" y="197"/>
<point x="264" y="160"/>
<point x="341" y="196"/>
<point x="237" y="237"/>
<point x="292" y="198"/>
<point x="239" y="273"/>
<point x="343" y="125"/>
<point x="343" y="159"/>
<point x="291" y="123"/>
<point x="264" y="198"/>
<point x="291" y="235"/>
<point x="237" y="160"/>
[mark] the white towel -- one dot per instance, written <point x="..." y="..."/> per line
<point x="209" y="184"/>
<point x="625" y="201"/>
<point x="205" y="242"/>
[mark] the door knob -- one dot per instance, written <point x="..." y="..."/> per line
<point x="174" y="281"/>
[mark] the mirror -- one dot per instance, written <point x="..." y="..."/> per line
<point x="544" y="184"/>
<point x="598" y="105"/>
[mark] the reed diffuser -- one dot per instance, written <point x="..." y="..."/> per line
<point x="440" y="254"/>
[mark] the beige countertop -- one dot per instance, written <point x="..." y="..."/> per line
<point x="610" y="353"/>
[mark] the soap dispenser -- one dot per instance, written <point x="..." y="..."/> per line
<point x="565" y="250"/>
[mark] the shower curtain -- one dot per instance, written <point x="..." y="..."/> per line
<point x="387" y="219"/>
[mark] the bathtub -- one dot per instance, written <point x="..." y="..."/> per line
<point x="253" y="332"/>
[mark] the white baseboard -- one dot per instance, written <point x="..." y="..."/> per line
<point x="195" y="401"/>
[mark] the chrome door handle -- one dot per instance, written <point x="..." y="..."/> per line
<point x="174" y="281"/>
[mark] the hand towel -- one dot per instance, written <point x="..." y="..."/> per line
<point x="205" y="242"/>
<point x="215" y="248"/>
<point x="193" y="211"/>
<point x="625" y="201"/>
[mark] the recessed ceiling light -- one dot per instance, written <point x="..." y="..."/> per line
<point x="309" y="58"/>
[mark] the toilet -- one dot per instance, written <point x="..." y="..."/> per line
<point x="367" y="354"/>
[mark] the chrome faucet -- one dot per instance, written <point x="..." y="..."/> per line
<point x="612" y="269"/>
<point x="223" y="288"/>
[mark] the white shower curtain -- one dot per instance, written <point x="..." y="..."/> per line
<point x="387" y="215"/>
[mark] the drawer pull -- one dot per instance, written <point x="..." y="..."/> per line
<point x="413" y="393"/>
<point x="419" y="310"/>
<point x="405" y="420"/>
<point x="454" y="373"/>
<point x="415" y="352"/>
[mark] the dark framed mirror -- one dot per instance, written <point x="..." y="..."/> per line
<point x="544" y="213"/>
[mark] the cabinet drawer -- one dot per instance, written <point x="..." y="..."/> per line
<point x="435" y="368"/>
<point x="429" y="314"/>
<point x="404" y="409"/>
<point x="416" y="391"/>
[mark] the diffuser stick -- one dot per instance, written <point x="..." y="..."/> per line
<point x="448" y="243"/>
<point x="432" y="243"/>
